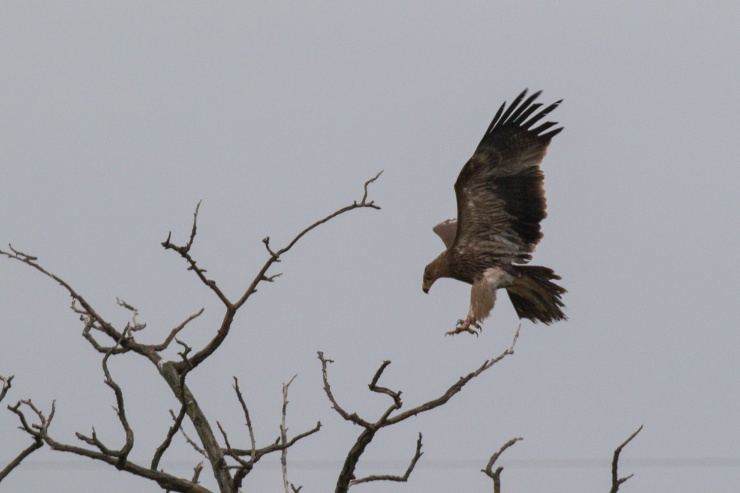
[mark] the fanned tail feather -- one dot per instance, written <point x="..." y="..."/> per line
<point x="535" y="296"/>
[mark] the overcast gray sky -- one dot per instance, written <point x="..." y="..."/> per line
<point x="116" y="118"/>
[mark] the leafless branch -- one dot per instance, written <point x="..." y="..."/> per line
<point x="196" y="472"/>
<point x="37" y="442"/>
<point x="30" y="260"/>
<point x="496" y="475"/>
<point x="396" y="396"/>
<point x="335" y="405"/>
<point x="90" y="317"/>
<point x="246" y="465"/>
<point x="277" y="446"/>
<point x="188" y="439"/>
<point x="173" y="372"/>
<point x="616" y="480"/>
<point x="456" y="387"/>
<point x="387" y="477"/>
<point x="274" y="256"/>
<point x="184" y="252"/>
<point x="134" y="325"/>
<point x="168" y="439"/>
<point x="284" y="435"/>
<point x="246" y="458"/>
<point x="346" y="476"/>
<point x="7" y="383"/>
<point x="173" y="333"/>
<point x="41" y="431"/>
<point x="253" y="453"/>
<point x="122" y="454"/>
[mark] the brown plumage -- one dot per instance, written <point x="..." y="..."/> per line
<point x="500" y="203"/>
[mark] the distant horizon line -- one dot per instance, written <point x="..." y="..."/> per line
<point x="544" y="463"/>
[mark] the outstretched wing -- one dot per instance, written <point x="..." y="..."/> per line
<point x="500" y="190"/>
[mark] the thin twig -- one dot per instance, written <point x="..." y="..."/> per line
<point x="261" y="276"/>
<point x="388" y="477"/>
<point x="184" y="252"/>
<point x="456" y="387"/>
<point x="616" y="480"/>
<point x="173" y="333"/>
<point x="277" y="446"/>
<point x="396" y="396"/>
<point x="335" y="405"/>
<point x="284" y="435"/>
<point x="7" y="383"/>
<point x="135" y="313"/>
<point x="275" y="255"/>
<point x="346" y="476"/>
<point x="250" y="428"/>
<point x="37" y="442"/>
<point x="166" y="481"/>
<point x="122" y="454"/>
<point x="168" y="439"/>
<point x="245" y="464"/>
<point x="190" y="440"/>
<point x="100" y="323"/>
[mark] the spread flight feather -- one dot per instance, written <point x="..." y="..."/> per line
<point x="500" y="204"/>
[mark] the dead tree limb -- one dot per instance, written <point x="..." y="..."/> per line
<point x="390" y="477"/>
<point x="616" y="480"/>
<point x="347" y="475"/>
<point x="124" y="340"/>
<point x="122" y="454"/>
<point x="40" y="430"/>
<point x="37" y="443"/>
<point x="7" y="383"/>
<point x="284" y="435"/>
<point x="274" y="256"/>
<point x="246" y="458"/>
<point x="496" y="475"/>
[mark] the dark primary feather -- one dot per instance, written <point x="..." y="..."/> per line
<point x="500" y="190"/>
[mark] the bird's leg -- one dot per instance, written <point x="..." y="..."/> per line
<point x="464" y="326"/>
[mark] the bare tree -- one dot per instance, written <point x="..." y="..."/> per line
<point x="228" y="464"/>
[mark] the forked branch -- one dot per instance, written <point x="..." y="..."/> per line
<point x="122" y="454"/>
<point x="389" y="477"/>
<point x="87" y="312"/>
<point x="247" y="458"/>
<point x="496" y="475"/>
<point x="37" y="442"/>
<point x="184" y="252"/>
<point x="616" y="480"/>
<point x="40" y="431"/>
<point x="346" y="477"/>
<point x="261" y="276"/>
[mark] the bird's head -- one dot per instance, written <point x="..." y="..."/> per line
<point x="439" y="267"/>
<point x="428" y="280"/>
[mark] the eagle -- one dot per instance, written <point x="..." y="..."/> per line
<point x="500" y="204"/>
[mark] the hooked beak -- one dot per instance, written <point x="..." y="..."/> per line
<point x="425" y="289"/>
<point x="425" y="286"/>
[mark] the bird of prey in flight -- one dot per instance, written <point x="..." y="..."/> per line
<point x="500" y="203"/>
